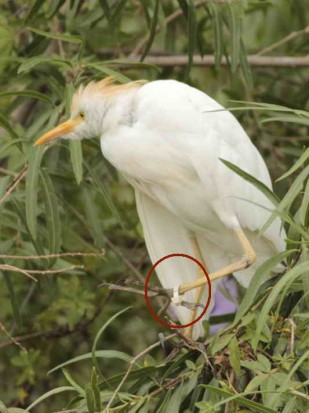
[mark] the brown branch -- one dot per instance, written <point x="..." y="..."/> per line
<point x="13" y="340"/>
<point x="209" y="61"/>
<point x="132" y="363"/>
<point x="286" y="39"/>
<point x="14" y="184"/>
<point x="169" y="19"/>
<point x="47" y="256"/>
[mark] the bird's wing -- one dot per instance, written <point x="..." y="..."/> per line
<point x="197" y="131"/>
<point x="164" y="234"/>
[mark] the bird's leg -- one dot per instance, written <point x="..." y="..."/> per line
<point x="200" y="275"/>
<point x="248" y="258"/>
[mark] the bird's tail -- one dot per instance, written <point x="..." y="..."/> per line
<point x="165" y="234"/>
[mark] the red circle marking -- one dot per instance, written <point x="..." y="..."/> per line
<point x="152" y="269"/>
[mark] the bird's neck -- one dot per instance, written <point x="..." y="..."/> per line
<point x="120" y="110"/>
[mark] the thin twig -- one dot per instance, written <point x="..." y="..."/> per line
<point x="6" y="267"/>
<point x="47" y="256"/>
<point x="132" y="363"/>
<point x="169" y="19"/>
<point x="14" y="184"/>
<point x="285" y="39"/>
<point x="12" y="339"/>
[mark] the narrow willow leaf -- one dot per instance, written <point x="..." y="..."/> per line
<point x="29" y="94"/>
<point x="51" y="212"/>
<point x="217" y="23"/>
<point x="73" y="383"/>
<point x="287" y="118"/>
<point x="90" y="400"/>
<point x="104" y="354"/>
<point x="32" y="181"/>
<point x="220" y="342"/>
<point x="304" y="157"/>
<point x="304" y="208"/>
<point x="98" y="336"/>
<point x="235" y="29"/>
<point x="146" y="12"/>
<point x="260" y="276"/>
<point x="30" y="63"/>
<point x="245" y="67"/>
<point x="104" y="192"/>
<point x="191" y="35"/>
<point x="76" y="155"/>
<point x="50" y="393"/>
<point x="238" y="399"/>
<point x="234" y="355"/>
<point x="96" y="390"/>
<point x="110" y="72"/>
<point x="11" y="143"/>
<point x="283" y="282"/>
<point x="289" y="198"/>
<point x="184" y="7"/>
<point x="249" y="178"/>
<point x="6" y="125"/>
<point x="117" y="11"/>
<point x="58" y="36"/>
<point x="34" y="9"/>
<point x="93" y="219"/>
<point x="106" y="9"/>
<point x="14" y="303"/>
<point x="152" y="29"/>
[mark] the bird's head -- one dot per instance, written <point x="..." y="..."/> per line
<point x="89" y="109"/>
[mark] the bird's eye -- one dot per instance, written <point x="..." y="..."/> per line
<point x="82" y="115"/>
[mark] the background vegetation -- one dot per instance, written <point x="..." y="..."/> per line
<point x="69" y="200"/>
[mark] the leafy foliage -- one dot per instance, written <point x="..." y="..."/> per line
<point x="68" y="220"/>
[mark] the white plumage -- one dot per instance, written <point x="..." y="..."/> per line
<point x="167" y="139"/>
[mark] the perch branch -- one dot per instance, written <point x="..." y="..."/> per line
<point x="209" y="61"/>
<point x="132" y="363"/>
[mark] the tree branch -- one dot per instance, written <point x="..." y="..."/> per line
<point x="209" y="61"/>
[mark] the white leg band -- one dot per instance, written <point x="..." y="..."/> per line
<point x="176" y="299"/>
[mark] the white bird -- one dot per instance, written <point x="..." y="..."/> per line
<point x="167" y="139"/>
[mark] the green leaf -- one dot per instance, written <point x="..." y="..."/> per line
<point x="90" y="400"/>
<point x="73" y="383"/>
<point x="106" y="9"/>
<point x="238" y="399"/>
<point x="28" y="93"/>
<point x="76" y="159"/>
<point x="30" y="63"/>
<point x="251" y="179"/>
<point x="235" y="28"/>
<point x="58" y="36"/>
<point x="104" y="354"/>
<point x="152" y="29"/>
<point x="191" y="35"/>
<point x="220" y="342"/>
<point x="104" y="192"/>
<point x="98" y="336"/>
<point x="6" y="125"/>
<point x="34" y="160"/>
<point x="217" y="23"/>
<point x="283" y="282"/>
<point x="300" y="161"/>
<point x="34" y="9"/>
<point x="51" y="212"/>
<point x="234" y="355"/>
<point x="110" y="72"/>
<point x="13" y="299"/>
<point x="260" y="276"/>
<point x="50" y="393"/>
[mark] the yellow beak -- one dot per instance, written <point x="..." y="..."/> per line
<point x="58" y="131"/>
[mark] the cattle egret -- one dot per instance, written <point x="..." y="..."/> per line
<point x="167" y="139"/>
